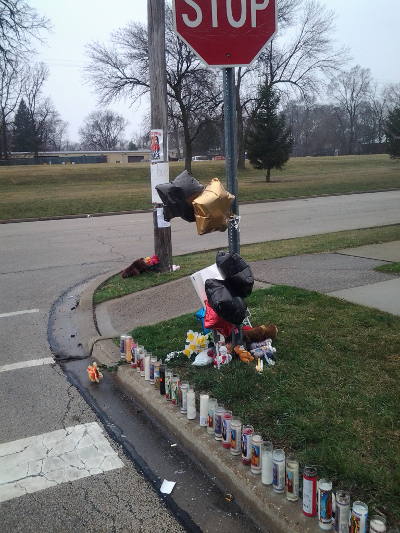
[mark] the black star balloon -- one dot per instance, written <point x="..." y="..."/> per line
<point x="178" y="196"/>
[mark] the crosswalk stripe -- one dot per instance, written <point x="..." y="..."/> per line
<point x="27" y="364"/>
<point x="43" y="461"/>
<point x="14" y="313"/>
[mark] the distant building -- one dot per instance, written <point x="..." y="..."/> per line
<point x="80" y="157"/>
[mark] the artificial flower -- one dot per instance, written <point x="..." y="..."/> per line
<point x="94" y="373"/>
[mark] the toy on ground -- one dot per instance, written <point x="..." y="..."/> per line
<point x="136" y="268"/>
<point x="223" y="358"/>
<point x="244" y="355"/>
<point x="260" y="333"/>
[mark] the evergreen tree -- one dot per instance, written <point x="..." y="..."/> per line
<point x="269" y="141"/>
<point x="393" y="133"/>
<point x="23" y="132"/>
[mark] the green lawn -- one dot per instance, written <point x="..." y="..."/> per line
<point x="58" y="190"/>
<point x="333" y="396"/>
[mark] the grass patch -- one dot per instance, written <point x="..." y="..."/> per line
<point x="116" y="286"/>
<point x="333" y="397"/>
<point x="59" y="190"/>
<point x="390" y="268"/>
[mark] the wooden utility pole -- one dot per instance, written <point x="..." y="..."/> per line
<point x="159" y="114"/>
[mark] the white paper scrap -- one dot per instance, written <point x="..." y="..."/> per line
<point x="167" y="486"/>
<point x="161" y="222"/>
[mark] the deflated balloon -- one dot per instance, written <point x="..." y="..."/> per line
<point x="178" y="196"/>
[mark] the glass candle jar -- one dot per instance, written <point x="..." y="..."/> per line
<point x="247" y="434"/>
<point x="310" y="491"/>
<point x="139" y="356"/>
<point x="184" y="391"/>
<point x="325" y="504"/>
<point x="278" y="457"/>
<point x="212" y="404"/>
<point x="175" y="391"/>
<point x="204" y="410"/>
<point x="267" y="465"/>
<point x="342" y="513"/>
<point x="256" y="443"/>
<point x="168" y="378"/>
<point x="147" y="358"/>
<point x="218" y="413"/>
<point x="236" y="435"/>
<point x="153" y="361"/>
<point x="162" y="380"/>
<point x="226" y="429"/>
<point x="292" y="478"/>
<point x="191" y="404"/>
<point x="359" y="517"/>
<point x="157" y="365"/>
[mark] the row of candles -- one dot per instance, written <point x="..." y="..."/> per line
<point x="276" y="469"/>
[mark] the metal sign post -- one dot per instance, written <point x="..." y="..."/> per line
<point x="231" y="155"/>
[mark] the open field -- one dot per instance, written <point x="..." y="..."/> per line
<point x="333" y="396"/>
<point x="59" y="190"/>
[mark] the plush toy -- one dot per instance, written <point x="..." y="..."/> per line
<point x="224" y="357"/>
<point x="94" y="373"/>
<point x="136" y="268"/>
<point x="260" y="333"/>
<point x="244" y="355"/>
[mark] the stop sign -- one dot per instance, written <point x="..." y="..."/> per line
<point x="225" y="33"/>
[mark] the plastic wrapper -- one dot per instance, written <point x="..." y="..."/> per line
<point x="226" y="304"/>
<point x="237" y="273"/>
<point x="212" y="208"/>
<point x="177" y="196"/>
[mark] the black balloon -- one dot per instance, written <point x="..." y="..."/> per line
<point x="237" y="273"/>
<point x="178" y="196"/>
<point x="224" y="302"/>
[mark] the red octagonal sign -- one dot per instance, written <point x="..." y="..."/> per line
<point x="225" y="33"/>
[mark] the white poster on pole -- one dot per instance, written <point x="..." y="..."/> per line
<point x="159" y="173"/>
<point x="157" y="145"/>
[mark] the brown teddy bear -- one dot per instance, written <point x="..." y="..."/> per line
<point x="260" y="333"/>
<point x="136" y="268"/>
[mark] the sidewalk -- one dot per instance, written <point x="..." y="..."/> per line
<point x="346" y="274"/>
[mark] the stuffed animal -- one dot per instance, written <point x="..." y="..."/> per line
<point x="260" y="333"/>
<point x="136" y="268"/>
<point x="244" y="355"/>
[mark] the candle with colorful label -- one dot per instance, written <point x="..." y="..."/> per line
<point x="278" y="457"/>
<point x="292" y="478"/>
<point x="168" y="378"/>
<point x="122" y="340"/>
<point x="157" y="365"/>
<point x="325" y="504"/>
<point x="236" y="436"/>
<point x="212" y="404"/>
<point x="175" y="391"/>
<point x="128" y="348"/>
<point x="342" y="514"/>
<point x="359" y="517"/>
<point x="153" y="361"/>
<point x="134" y="354"/>
<point x="218" y="412"/>
<point x="247" y="434"/>
<point x="226" y="429"/>
<point x="139" y="357"/>
<point x="267" y="464"/>
<point x="256" y="458"/>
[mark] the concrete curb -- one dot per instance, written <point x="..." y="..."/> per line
<point x="272" y="512"/>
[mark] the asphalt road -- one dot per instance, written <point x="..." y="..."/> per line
<point x="40" y="261"/>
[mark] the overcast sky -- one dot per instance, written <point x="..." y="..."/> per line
<point x="369" y="28"/>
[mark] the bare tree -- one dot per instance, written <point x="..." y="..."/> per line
<point x="19" y="25"/>
<point x="11" y="83"/>
<point x="102" y="130"/>
<point x="298" y="61"/>
<point x="121" y="70"/>
<point x="349" y="89"/>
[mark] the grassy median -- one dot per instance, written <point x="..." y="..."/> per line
<point x="333" y="396"/>
<point x="59" y="190"/>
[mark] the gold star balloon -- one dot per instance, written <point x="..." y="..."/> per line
<point x="212" y="208"/>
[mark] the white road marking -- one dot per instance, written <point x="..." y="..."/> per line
<point x="25" y="312"/>
<point x="26" y="364"/>
<point x="37" y="463"/>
